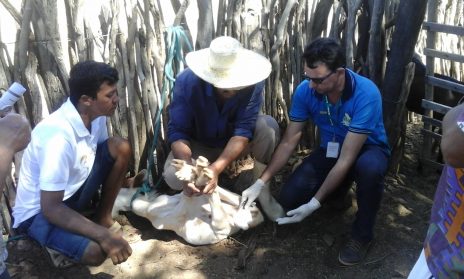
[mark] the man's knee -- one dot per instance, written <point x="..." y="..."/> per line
<point x="119" y="147"/>
<point x="267" y="128"/>
<point x="372" y="164"/>
<point x="93" y="255"/>
<point x="169" y="174"/>
<point x="371" y="171"/>
<point x="16" y="130"/>
<point x="265" y="138"/>
<point x="171" y="179"/>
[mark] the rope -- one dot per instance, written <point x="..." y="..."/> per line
<point x="16" y="237"/>
<point x="174" y="38"/>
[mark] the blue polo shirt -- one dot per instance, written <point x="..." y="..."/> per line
<point x="359" y="110"/>
<point x="195" y="115"/>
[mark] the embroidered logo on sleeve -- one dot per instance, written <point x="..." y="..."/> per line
<point x="346" y="120"/>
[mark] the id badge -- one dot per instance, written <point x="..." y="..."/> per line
<point x="332" y="149"/>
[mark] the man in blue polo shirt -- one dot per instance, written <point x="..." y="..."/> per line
<point x="214" y="113"/>
<point x="347" y="109"/>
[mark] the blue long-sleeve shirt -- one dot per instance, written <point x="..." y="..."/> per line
<point x="195" y="115"/>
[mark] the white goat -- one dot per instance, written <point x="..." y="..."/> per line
<point x="200" y="220"/>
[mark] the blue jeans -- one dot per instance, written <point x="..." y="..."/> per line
<point x="5" y="275"/>
<point x="70" y="244"/>
<point x="368" y="172"/>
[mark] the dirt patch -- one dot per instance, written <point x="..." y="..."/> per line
<point x="305" y="250"/>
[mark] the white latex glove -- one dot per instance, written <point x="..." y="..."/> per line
<point x="251" y="194"/>
<point x="296" y="215"/>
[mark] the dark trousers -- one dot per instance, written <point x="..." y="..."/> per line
<point x="368" y="172"/>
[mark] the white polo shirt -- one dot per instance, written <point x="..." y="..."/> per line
<point x="59" y="157"/>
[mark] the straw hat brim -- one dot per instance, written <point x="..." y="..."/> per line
<point x="248" y="68"/>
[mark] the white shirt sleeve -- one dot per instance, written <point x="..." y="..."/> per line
<point x="55" y="158"/>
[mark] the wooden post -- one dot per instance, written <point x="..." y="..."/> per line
<point x="430" y="69"/>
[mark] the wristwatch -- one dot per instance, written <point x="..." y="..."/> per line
<point x="460" y="121"/>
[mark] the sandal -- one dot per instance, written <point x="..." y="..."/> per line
<point x="131" y="234"/>
<point x="59" y="260"/>
<point x="137" y="180"/>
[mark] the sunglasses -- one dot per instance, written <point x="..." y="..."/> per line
<point x="317" y="80"/>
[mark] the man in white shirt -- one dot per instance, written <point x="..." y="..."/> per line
<point x="70" y="155"/>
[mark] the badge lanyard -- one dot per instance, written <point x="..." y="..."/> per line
<point x="332" y="146"/>
<point x="330" y="117"/>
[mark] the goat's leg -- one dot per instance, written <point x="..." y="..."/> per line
<point x="270" y="206"/>
<point x="219" y="218"/>
<point x="228" y="197"/>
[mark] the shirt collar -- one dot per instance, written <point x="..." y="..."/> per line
<point x="209" y="89"/>
<point x="350" y="85"/>
<point x="71" y="114"/>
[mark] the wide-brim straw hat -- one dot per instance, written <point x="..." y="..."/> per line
<point x="227" y="65"/>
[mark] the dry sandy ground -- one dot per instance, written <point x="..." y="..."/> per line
<point x="305" y="250"/>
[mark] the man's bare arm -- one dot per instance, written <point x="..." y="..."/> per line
<point x="181" y="150"/>
<point x="350" y="150"/>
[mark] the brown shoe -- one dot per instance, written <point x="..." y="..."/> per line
<point x="353" y="252"/>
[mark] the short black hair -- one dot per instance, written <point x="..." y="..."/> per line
<point x="324" y="50"/>
<point x="86" y="77"/>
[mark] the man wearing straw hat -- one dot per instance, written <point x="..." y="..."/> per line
<point x="215" y="113"/>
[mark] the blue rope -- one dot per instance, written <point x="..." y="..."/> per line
<point x="174" y="37"/>
<point x="16" y="237"/>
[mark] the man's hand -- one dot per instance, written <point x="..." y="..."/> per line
<point x="212" y="184"/>
<point x="251" y="194"/>
<point x="296" y="215"/>
<point x="116" y="248"/>
<point x="189" y="189"/>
